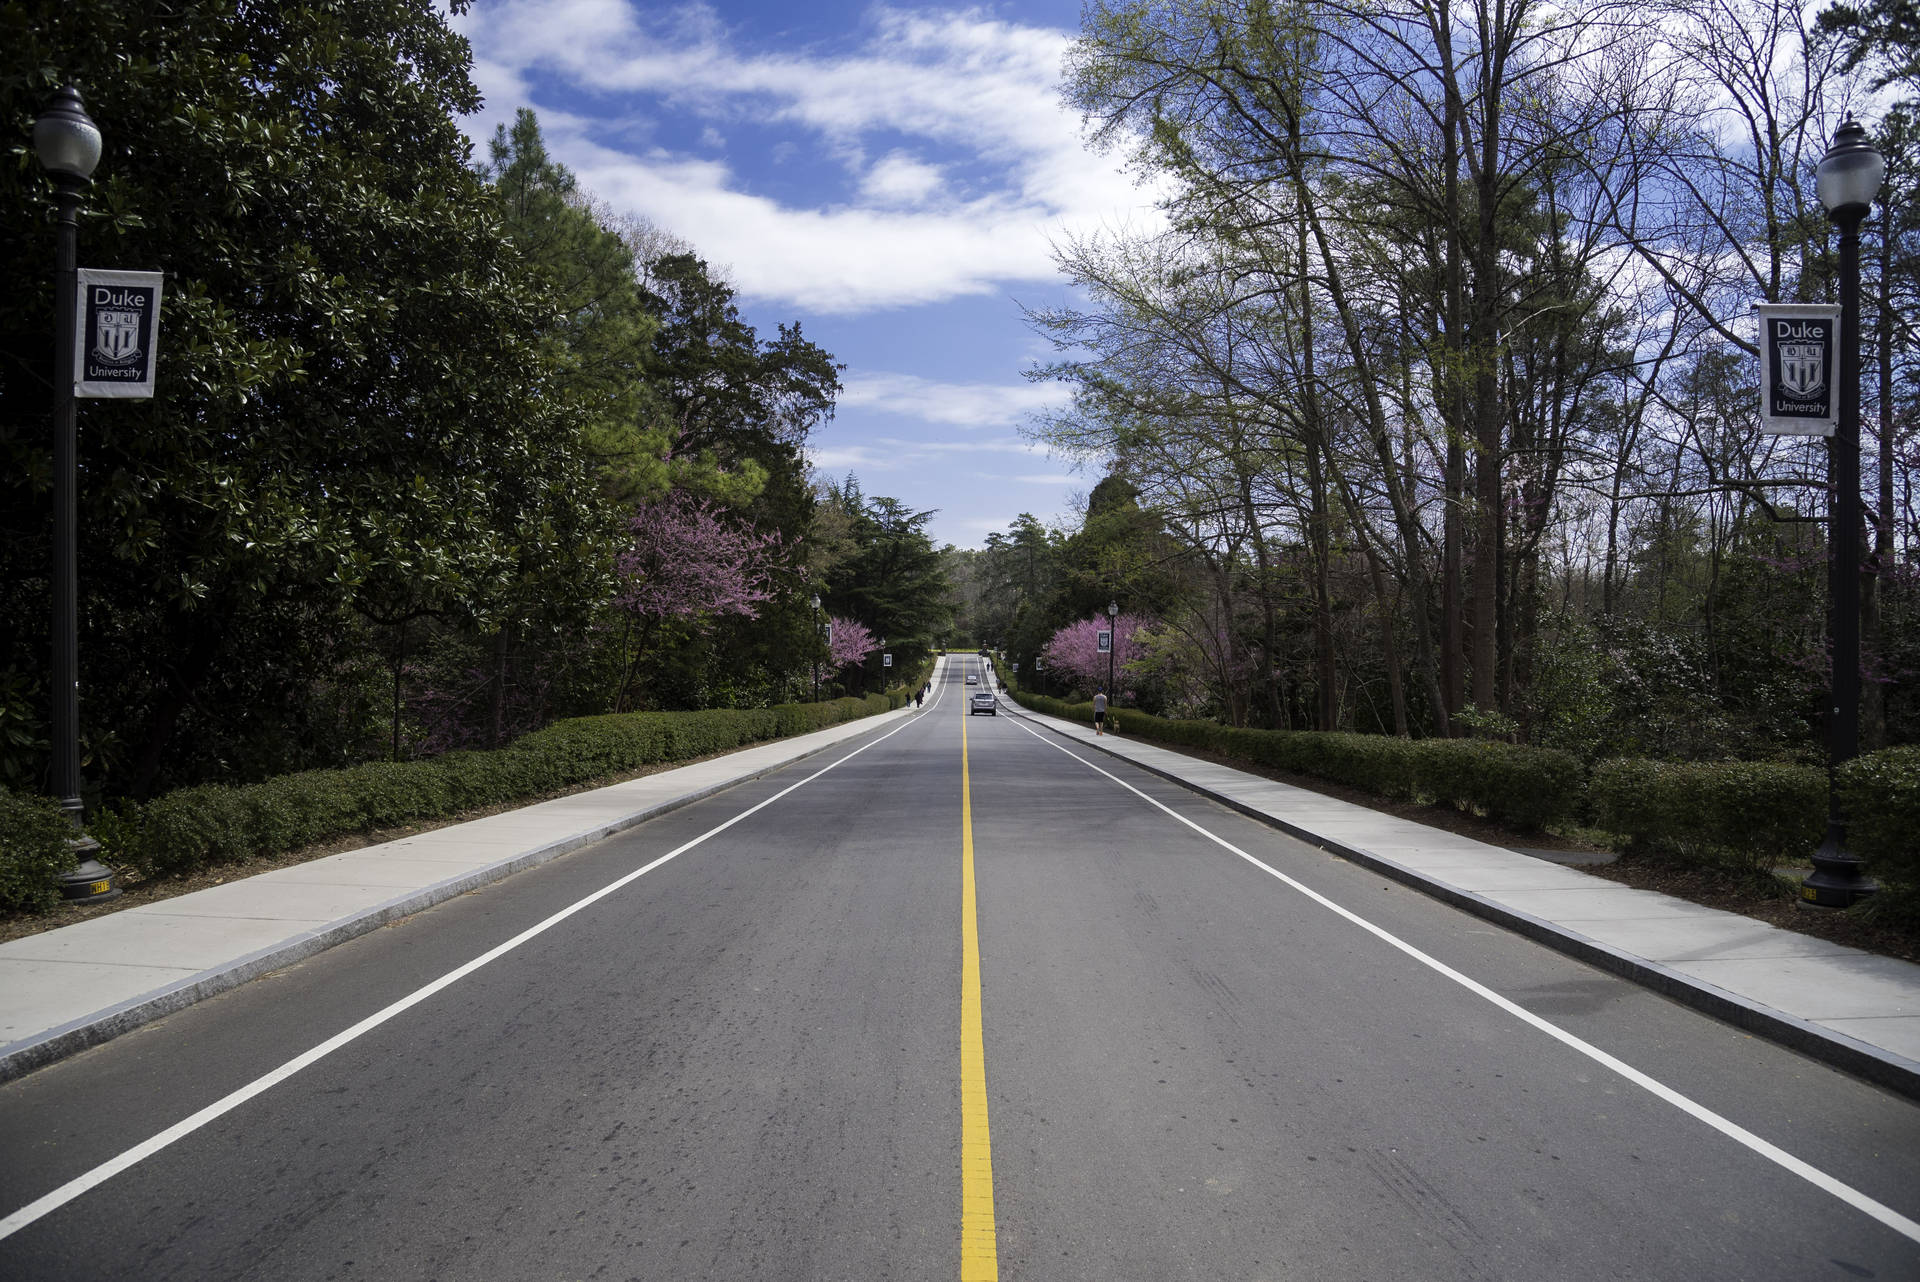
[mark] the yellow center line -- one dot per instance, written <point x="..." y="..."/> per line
<point x="979" y="1256"/>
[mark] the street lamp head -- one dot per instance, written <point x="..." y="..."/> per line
<point x="1113" y="609"/>
<point x="816" y="600"/>
<point x="1849" y="175"/>
<point x="65" y="137"/>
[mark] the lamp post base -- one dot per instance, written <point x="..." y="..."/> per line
<point x="92" y="882"/>
<point x="1836" y="880"/>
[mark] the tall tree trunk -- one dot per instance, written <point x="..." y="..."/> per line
<point x="1453" y="648"/>
<point x="1453" y="651"/>
<point x="1327" y="711"/>
<point x="1269" y="614"/>
<point x="399" y="665"/>
<point x="1873" y="700"/>
<point x="497" y="695"/>
<point x="1484" y="586"/>
<point x="1406" y="520"/>
<point x="181" y="684"/>
<point x="1396" y="687"/>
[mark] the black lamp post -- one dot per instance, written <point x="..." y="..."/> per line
<point x="1113" y="644"/>
<point x="68" y="145"/>
<point x="813" y="661"/>
<point x="1847" y="178"/>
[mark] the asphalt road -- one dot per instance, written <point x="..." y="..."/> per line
<point x="747" y="1063"/>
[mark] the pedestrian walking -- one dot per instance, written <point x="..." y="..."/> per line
<point x="1100" y="712"/>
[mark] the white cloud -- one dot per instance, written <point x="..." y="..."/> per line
<point x="843" y="458"/>
<point x="954" y="85"/>
<point x="952" y="404"/>
<point x="999" y="445"/>
<point x="899" y="179"/>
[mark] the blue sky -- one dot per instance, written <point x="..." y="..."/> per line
<point x="890" y="175"/>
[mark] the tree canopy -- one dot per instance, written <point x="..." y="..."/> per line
<point x="441" y="449"/>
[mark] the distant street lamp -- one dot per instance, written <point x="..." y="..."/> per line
<point x="68" y="145"/>
<point x="813" y="660"/>
<point x="1113" y="643"/>
<point x="1847" y="178"/>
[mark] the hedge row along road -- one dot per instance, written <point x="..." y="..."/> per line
<point x="951" y="1002"/>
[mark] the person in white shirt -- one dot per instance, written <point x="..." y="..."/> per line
<point x="1100" y="712"/>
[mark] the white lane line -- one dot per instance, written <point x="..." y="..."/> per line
<point x="1853" y="1197"/>
<point x="100" y="1174"/>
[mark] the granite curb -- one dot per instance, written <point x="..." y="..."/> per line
<point x="1874" y="1064"/>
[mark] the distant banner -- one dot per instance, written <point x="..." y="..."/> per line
<point x="1799" y="368"/>
<point x="1105" y="641"/>
<point x="119" y="321"/>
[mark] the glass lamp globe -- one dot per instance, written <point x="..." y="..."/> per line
<point x="65" y="137"/>
<point x="1848" y="176"/>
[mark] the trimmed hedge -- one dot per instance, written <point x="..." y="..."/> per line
<point x="1740" y="815"/>
<point x="1747" y="816"/>
<point x="218" y="824"/>
<point x="1881" y="794"/>
<point x="34" y="851"/>
<point x="1525" y="787"/>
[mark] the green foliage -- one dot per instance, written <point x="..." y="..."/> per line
<point x="1014" y="582"/>
<point x="1622" y="688"/>
<point x="602" y="329"/>
<point x="1744" y="816"/>
<point x="34" y="851"/>
<point x="891" y="580"/>
<point x="213" y="824"/>
<point x="191" y="828"/>
<point x="1883" y="35"/>
<point x="1522" y="786"/>
<point x="1880" y="794"/>
<point x="352" y="412"/>
<point x="1487" y="723"/>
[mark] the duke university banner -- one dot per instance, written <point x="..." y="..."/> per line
<point x="119" y="322"/>
<point x="1799" y="368"/>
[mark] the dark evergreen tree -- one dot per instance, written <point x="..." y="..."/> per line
<point x="351" y="417"/>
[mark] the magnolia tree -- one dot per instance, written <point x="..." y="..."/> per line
<point x="1073" y="654"/>
<point x="849" y="644"/>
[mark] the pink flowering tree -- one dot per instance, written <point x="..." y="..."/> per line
<point x="690" y="566"/>
<point x="850" y="644"/>
<point x="688" y="563"/>
<point x="1073" y="654"/>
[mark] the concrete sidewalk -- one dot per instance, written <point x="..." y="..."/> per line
<point x="72" y="987"/>
<point x="1852" y="1009"/>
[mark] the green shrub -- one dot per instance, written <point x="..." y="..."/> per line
<point x="298" y="810"/>
<point x="34" y="851"/>
<point x="1522" y="786"/>
<point x="1880" y="794"/>
<point x="390" y="793"/>
<point x="193" y="827"/>
<point x="1743" y="815"/>
<point x="476" y="779"/>
<point x="212" y="823"/>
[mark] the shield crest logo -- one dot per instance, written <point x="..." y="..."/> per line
<point x="1803" y="370"/>
<point x="116" y="336"/>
